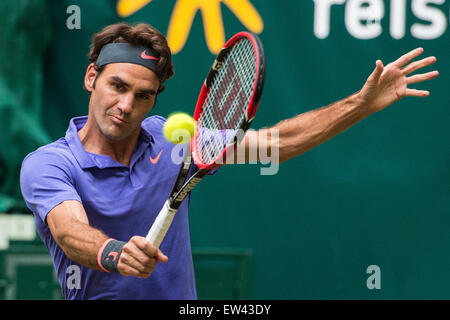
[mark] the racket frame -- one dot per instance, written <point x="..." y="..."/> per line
<point x="183" y="185"/>
<point x="254" y="99"/>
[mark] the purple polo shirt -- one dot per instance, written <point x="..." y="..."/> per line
<point x="121" y="201"/>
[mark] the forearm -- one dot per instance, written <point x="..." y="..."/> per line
<point x="81" y="243"/>
<point x="89" y="247"/>
<point x="308" y="130"/>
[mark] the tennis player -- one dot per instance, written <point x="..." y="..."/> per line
<point x="96" y="191"/>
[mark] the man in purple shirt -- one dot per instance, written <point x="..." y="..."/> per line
<point x="96" y="192"/>
<point x="109" y="176"/>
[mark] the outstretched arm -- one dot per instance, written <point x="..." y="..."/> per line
<point x="386" y="85"/>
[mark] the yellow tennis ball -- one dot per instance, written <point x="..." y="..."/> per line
<point x="179" y="128"/>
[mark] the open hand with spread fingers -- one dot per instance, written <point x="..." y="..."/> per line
<point x="388" y="84"/>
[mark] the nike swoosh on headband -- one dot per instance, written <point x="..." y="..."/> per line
<point x="145" y="56"/>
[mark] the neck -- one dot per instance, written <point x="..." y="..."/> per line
<point x="96" y="142"/>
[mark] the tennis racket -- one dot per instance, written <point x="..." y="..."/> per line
<point x="225" y="109"/>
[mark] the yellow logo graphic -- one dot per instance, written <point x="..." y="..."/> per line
<point x="183" y="16"/>
<point x="126" y="8"/>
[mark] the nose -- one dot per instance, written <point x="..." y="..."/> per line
<point x="126" y="103"/>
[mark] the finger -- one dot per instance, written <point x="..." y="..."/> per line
<point x="127" y="270"/>
<point x="422" y="77"/>
<point x="134" y="249"/>
<point x="406" y="58"/>
<point x="141" y="254"/>
<point x="376" y="74"/>
<point x="417" y="93"/>
<point x="145" y="246"/>
<point x="139" y="262"/>
<point x="418" y="64"/>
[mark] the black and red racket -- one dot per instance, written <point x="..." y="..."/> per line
<point x="225" y="109"/>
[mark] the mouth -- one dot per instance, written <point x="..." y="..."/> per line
<point x="118" y="120"/>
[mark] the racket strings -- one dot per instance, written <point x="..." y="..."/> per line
<point x="225" y="106"/>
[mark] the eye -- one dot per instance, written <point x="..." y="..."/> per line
<point x="117" y="86"/>
<point x="142" y="96"/>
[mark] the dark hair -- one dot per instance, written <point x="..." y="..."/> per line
<point x="141" y="34"/>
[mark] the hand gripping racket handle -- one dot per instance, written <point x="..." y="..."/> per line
<point x="162" y="223"/>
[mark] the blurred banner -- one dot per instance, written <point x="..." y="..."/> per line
<point x="24" y="37"/>
<point x="363" y="216"/>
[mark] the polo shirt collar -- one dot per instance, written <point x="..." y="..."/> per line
<point x="86" y="159"/>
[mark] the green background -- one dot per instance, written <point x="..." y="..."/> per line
<point x="377" y="194"/>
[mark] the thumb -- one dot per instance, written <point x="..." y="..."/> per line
<point x="161" y="257"/>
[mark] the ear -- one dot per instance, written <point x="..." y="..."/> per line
<point x="89" y="77"/>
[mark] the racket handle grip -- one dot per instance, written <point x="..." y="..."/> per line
<point x="161" y="224"/>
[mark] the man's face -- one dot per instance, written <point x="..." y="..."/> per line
<point x="124" y="94"/>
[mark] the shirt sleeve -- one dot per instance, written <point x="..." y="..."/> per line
<point x="45" y="182"/>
